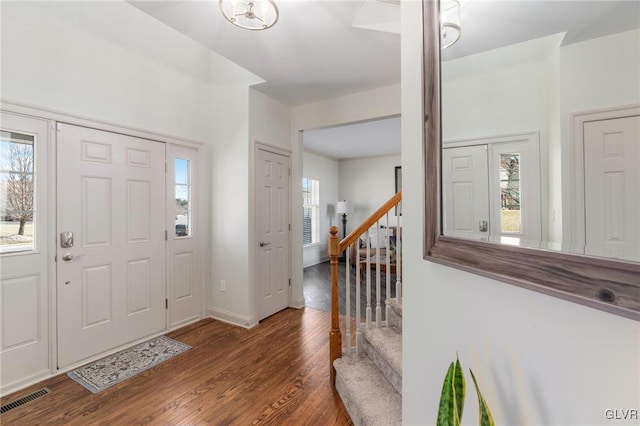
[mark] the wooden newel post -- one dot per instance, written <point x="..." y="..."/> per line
<point x="335" y="339"/>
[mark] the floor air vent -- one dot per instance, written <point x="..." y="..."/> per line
<point x="24" y="400"/>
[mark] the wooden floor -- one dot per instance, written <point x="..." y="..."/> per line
<point x="276" y="373"/>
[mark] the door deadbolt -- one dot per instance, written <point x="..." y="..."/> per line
<point x="66" y="239"/>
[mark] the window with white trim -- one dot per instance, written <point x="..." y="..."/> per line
<point x="310" y="211"/>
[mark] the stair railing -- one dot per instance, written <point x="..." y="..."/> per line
<point x="363" y="269"/>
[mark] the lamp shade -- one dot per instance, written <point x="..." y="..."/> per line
<point x="343" y="207"/>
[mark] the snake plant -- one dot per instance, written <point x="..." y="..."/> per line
<point x="452" y="398"/>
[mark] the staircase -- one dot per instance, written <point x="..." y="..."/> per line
<point x="367" y="369"/>
<point x="370" y="383"/>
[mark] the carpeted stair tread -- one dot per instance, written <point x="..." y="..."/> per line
<point x="368" y="396"/>
<point x="384" y="348"/>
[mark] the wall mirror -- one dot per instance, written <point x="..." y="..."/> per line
<point x="532" y="145"/>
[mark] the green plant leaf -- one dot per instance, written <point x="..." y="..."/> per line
<point x="447" y="411"/>
<point x="452" y="396"/>
<point x="459" y="389"/>
<point x="486" y="419"/>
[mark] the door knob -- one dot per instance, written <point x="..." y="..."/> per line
<point x="67" y="257"/>
<point x="263" y="244"/>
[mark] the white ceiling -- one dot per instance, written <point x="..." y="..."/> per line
<point x="321" y="49"/>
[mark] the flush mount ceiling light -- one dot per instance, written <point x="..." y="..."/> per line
<point x="250" y="14"/>
<point x="449" y="22"/>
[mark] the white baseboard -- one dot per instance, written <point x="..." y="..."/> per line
<point x="231" y="318"/>
<point x="317" y="262"/>
<point x="297" y="303"/>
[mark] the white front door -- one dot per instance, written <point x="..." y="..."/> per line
<point x="183" y="266"/>
<point x="24" y="285"/>
<point x="272" y="233"/>
<point x="111" y="279"/>
<point x="465" y="185"/>
<point x="612" y="188"/>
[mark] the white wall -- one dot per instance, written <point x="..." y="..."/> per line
<point x="596" y="74"/>
<point x="367" y="183"/>
<point x="326" y="171"/>
<point x="538" y="359"/>
<point x="506" y="91"/>
<point x="269" y="123"/>
<point x="111" y="62"/>
<point x="377" y="103"/>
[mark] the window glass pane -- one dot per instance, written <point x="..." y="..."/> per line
<point x="511" y="215"/>
<point x="17" y="185"/>
<point x="310" y="211"/>
<point x="182" y="171"/>
<point x="183" y="197"/>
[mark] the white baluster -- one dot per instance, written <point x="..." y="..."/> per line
<point x="388" y="276"/>
<point x="399" y="261"/>
<point x="358" y="301"/>
<point x="378" y="254"/>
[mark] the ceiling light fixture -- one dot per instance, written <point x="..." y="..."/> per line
<point x="250" y="14"/>
<point x="449" y="22"/>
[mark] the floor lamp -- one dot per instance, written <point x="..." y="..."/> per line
<point x="342" y="208"/>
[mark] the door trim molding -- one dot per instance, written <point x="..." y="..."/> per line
<point x="92" y="123"/>
<point x="574" y="241"/>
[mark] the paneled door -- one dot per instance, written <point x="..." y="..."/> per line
<point x="24" y="259"/>
<point x="184" y="276"/>
<point x="612" y="188"/>
<point x="465" y="176"/>
<point x="272" y="232"/>
<point x="110" y="242"/>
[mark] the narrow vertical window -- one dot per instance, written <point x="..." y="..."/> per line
<point x="310" y="211"/>
<point x="183" y="197"/>
<point x="17" y="187"/>
<point x="510" y="189"/>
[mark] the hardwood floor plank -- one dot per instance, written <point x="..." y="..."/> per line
<point x="275" y="373"/>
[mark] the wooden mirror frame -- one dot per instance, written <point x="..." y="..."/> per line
<point x="609" y="285"/>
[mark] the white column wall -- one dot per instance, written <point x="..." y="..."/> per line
<point x="538" y="359"/>
<point x="326" y="171"/>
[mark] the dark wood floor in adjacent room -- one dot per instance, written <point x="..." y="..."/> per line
<point x="276" y="373"/>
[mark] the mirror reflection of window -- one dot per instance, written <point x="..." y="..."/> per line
<point x="510" y="215"/>
<point x="17" y="187"/>
<point x="183" y="197"/>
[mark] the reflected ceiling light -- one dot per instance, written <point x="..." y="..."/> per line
<point x="250" y="14"/>
<point x="449" y="22"/>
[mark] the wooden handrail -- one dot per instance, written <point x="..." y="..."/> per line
<point x="335" y="249"/>
<point x="369" y="222"/>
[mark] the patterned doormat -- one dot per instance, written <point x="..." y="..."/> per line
<point x="122" y="365"/>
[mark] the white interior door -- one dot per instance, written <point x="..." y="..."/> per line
<point x="183" y="266"/>
<point x="111" y="280"/>
<point x="24" y="286"/>
<point x="612" y="188"/>
<point x="465" y="185"/>
<point x="272" y="232"/>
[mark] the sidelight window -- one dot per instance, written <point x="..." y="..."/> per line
<point x="510" y="192"/>
<point x="183" y="208"/>
<point x="17" y="188"/>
